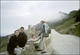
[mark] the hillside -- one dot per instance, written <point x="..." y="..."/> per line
<point x="70" y="25"/>
<point x="3" y="43"/>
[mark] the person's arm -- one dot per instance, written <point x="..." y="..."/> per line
<point x="39" y="34"/>
<point x="38" y="39"/>
<point x="42" y="30"/>
<point x="25" y="37"/>
<point x="17" y="46"/>
<point x="11" y="41"/>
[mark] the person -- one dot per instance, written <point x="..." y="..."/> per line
<point x="13" y="43"/>
<point x="22" y="38"/>
<point x="43" y="34"/>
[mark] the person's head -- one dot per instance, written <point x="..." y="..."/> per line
<point x="42" y="22"/>
<point x="22" y="29"/>
<point x="16" y="32"/>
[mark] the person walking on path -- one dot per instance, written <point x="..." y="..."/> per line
<point x="44" y="33"/>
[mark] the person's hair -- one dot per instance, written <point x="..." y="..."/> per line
<point x="16" y="30"/>
<point x="22" y="28"/>
<point x="42" y="21"/>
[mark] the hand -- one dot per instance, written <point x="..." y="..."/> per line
<point x="17" y="46"/>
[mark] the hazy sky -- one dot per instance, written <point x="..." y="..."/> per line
<point x="15" y="14"/>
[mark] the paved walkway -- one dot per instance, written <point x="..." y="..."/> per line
<point x="59" y="45"/>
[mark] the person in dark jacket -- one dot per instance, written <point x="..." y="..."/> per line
<point x="17" y="40"/>
<point x="22" y="38"/>
<point x="13" y="43"/>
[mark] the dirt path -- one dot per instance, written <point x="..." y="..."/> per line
<point x="64" y="44"/>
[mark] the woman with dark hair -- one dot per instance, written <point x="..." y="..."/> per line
<point x="13" y="43"/>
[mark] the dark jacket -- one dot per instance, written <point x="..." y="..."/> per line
<point x="22" y="39"/>
<point x="13" y="42"/>
<point x="16" y="41"/>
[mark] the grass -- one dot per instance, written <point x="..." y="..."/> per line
<point x="69" y="27"/>
<point x="3" y="44"/>
<point x="65" y="25"/>
<point x="77" y="30"/>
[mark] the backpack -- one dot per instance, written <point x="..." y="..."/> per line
<point x="49" y="30"/>
<point x="45" y="35"/>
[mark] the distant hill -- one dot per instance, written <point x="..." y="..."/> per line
<point x="62" y="17"/>
<point x="70" y="25"/>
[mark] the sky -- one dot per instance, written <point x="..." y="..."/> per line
<point x="15" y="14"/>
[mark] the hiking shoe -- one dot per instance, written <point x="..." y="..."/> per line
<point x="38" y="50"/>
<point x="43" y="52"/>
